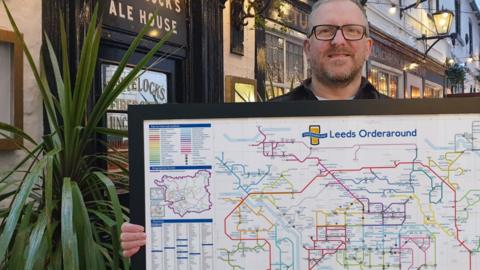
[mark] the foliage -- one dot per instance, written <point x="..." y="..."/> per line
<point x="64" y="211"/>
<point x="456" y="75"/>
<point x="477" y="77"/>
<point x="275" y="6"/>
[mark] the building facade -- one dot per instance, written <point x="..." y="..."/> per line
<point x="229" y="51"/>
<point x="189" y="67"/>
<point x="398" y="66"/>
<point x="20" y="100"/>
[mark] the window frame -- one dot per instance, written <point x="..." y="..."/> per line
<point x="458" y="18"/>
<point x="470" y="37"/>
<point x="375" y="68"/>
<point x="16" y="101"/>
<point x="286" y="39"/>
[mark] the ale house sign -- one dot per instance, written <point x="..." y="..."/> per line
<point x="133" y="15"/>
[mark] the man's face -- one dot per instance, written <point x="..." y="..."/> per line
<point x="338" y="61"/>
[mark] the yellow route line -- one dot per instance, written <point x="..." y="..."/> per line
<point x="274" y="183"/>
<point x="427" y="219"/>
<point x="255" y="213"/>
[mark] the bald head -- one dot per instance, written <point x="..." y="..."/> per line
<point x="319" y="3"/>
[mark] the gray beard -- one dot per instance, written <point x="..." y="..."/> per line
<point x="330" y="79"/>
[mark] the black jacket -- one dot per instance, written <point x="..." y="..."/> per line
<point x="366" y="91"/>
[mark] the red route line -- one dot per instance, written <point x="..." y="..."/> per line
<point x="331" y="172"/>
<point x="402" y="247"/>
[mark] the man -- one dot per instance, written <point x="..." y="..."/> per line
<point x="337" y="48"/>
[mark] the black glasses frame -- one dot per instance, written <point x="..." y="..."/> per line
<point x="338" y="27"/>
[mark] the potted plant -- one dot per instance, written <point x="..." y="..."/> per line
<point x="64" y="212"/>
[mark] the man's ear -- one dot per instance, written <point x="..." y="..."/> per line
<point x="369" y="48"/>
<point x="306" y="46"/>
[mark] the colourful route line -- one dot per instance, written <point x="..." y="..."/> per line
<point x="271" y="153"/>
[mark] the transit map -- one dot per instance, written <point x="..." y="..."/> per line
<point x="356" y="192"/>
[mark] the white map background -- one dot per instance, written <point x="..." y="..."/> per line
<point x="279" y="202"/>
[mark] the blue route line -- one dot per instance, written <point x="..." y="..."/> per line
<point x="243" y="172"/>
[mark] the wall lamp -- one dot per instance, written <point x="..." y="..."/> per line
<point x="418" y="2"/>
<point x="244" y="9"/>
<point x="443" y="22"/>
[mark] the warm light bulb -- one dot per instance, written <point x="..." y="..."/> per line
<point x="442" y="22"/>
<point x="154" y="33"/>
<point x="392" y="10"/>
<point x="469" y="60"/>
<point x="451" y="61"/>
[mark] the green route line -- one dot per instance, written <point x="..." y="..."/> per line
<point x="240" y="248"/>
<point x="434" y="187"/>
<point x="277" y="182"/>
<point x="277" y="244"/>
<point x="362" y="257"/>
<point x="449" y="169"/>
<point x="477" y="250"/>
<point x="469" y="203"/>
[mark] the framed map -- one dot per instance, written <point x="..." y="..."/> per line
<point x="308" y="185"/>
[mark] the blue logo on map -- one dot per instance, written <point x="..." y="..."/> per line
<point x="314" y="134"/>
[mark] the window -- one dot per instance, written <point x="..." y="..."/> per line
<point x="275" y="61"/>
<point x="11" y="86"/>
<point x="415" y="92"/>
<point x="294" y="63"/>
<point x="430" y="6"/>
<point x="149" y="88"/>
<point x="458" y="18"/>
<point x="470" y="38"/>
<point x="285" y="66"/>
<point x="239" y="89"/>
<point x="385" y="82"/>
<point x="431" y="91"/>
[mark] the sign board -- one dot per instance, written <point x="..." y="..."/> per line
<point x="132" y="16"/>
<point x="390" y="184"/>
<point x="290" y="16"/>
<point x="150" y="87"/>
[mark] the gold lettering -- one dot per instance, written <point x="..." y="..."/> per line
<point x="112" y="10"/>
<point x="129" y="13"/>
<point x="143" y="16"/>
<point x="150" y="15"/>
<point x="167" y="24"/>
<point x="168" y="4"/>
<point x="177" y="6"/>
<point x="159" y="22"/>
<point x="174" y="27"/>
<point x="120" y="13"/>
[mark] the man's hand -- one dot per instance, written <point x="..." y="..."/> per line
<point x="132" y="238"/>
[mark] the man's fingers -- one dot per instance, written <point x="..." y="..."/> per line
<point x="130" y="252"/>
<point x="133" y="236"/>
<point x="132" y="244"/>
<point x="128" y="227"/>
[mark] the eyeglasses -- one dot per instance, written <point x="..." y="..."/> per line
<point x="327" y="32"/>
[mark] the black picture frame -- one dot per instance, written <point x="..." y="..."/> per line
<point x="139" y="113"/>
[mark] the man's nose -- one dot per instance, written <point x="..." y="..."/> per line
<point x="338" y="39"/>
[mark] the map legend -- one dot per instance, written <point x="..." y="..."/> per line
<point x="179" y="146"/>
